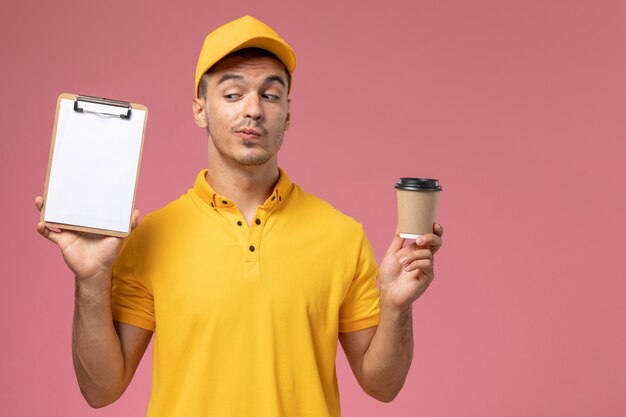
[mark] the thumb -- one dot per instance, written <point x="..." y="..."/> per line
<point x="396" y="243"/>
<point x="51" y="235"/>
<point x="135" y="220"/>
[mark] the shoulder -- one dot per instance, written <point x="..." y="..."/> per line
<point x="326" y="232"/>
<point x="165" y="217"/>
<point x="319" y="212"/>
<point x="175" y="210"/>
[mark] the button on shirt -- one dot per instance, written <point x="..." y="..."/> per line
<point x="246" y="317"/>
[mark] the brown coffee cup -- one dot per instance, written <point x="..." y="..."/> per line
<point x="417" y="206"/>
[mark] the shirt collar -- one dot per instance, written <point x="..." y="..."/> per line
<point x="279" y="195"/>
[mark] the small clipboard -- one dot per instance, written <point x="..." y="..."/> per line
<point x="94" y="164"/>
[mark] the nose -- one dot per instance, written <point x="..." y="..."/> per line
<point x="253" y="109"/>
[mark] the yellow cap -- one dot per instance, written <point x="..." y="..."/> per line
<point x="245" y="32"/>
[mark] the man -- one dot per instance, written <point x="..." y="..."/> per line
<point x="246" y="281"/>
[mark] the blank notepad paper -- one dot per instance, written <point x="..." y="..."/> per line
<point x="93" y="168"/>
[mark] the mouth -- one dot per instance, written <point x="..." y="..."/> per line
<point x="248" y="133"/>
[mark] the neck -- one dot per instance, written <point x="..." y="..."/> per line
<point x="247" y="186"/>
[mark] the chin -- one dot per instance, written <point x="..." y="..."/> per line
<point x="254" y="160"/>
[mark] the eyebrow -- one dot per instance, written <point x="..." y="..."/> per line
<point x="227" y="77"/>
<point x="276" y="78"/>
<point x="237" y="77"/>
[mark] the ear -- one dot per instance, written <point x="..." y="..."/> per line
<point x="199" y="115"/>
<point x="288" y="120"/>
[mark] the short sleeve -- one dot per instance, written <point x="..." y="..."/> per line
<point x="360" y="308"/>
<point x="131" y="296"/>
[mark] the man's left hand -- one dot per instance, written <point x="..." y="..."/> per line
<point x="407" y="271"/>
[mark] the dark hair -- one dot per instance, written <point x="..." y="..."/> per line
<point x="244" y="53"/>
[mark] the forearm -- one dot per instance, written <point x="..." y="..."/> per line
<point x="96" y="350"/>
<point x="388" y="358"/>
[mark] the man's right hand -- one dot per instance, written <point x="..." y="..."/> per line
<point x="105" y="353"/>
<point x="86" y="254"/>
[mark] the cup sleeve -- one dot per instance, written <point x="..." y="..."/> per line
<point x="360" y="308"/>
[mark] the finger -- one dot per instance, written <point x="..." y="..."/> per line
<point x="135" y="220"/>
<point x="413" y="252"/>
<point x="51" y="235"/>
<point x="424" y="265"/>
<point x="396" y="243"/>
<point x="419" y="278"/>
<point x="408" y="256"/>
<point x="39" y="202"/>
<point x="438" y="229"/>
<point x="429" y="240"/>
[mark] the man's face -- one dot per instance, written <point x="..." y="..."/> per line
<point x="246" y="109"/>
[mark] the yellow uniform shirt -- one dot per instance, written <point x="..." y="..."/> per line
<point x="246" y="318"/>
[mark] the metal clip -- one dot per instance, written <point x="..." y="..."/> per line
<point x="105" y="106"/>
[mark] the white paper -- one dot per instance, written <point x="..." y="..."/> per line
<point x="94" y="169"/>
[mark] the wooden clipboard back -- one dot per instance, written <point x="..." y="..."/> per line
<point x="125" y="109"/>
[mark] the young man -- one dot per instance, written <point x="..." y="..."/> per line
<point x="247" y="281"/>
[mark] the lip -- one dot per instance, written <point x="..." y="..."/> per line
<point x="248" y="133"/>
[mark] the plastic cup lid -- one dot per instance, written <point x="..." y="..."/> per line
<point x="418" y="184"/>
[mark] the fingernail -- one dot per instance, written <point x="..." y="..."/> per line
<point x="420" y="240"/>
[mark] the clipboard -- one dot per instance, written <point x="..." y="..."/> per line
<point x="94" y="164"/>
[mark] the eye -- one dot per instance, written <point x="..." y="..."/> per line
<point x="233" y="96"/>
<point x="270" y="97"/>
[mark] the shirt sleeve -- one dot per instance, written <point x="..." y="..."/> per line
<point x="360" y="308"/>
<point x="131" y="295"/>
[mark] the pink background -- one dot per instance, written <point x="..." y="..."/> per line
<point x="516" y="106"/>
